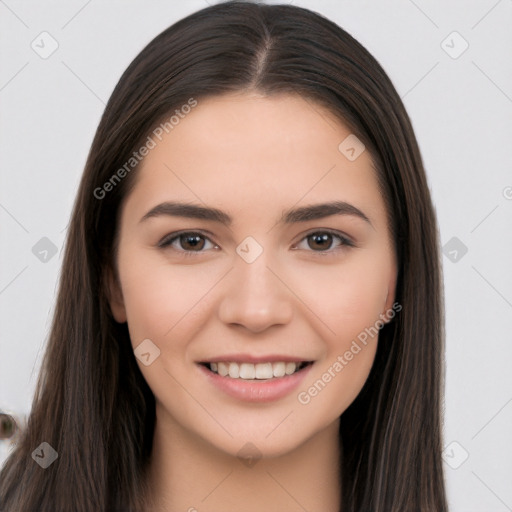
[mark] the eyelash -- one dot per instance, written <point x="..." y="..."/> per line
<point x="344" y="242"/>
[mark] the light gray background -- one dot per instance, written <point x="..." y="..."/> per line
<point x="461" y="109"/>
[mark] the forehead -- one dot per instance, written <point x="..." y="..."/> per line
<point x="244" y="149"/>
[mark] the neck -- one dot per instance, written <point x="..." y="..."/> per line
<point x="187" y="473"/>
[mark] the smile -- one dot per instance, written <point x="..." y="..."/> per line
<point x="258" y="381"/>
<point x="258" y="371"/>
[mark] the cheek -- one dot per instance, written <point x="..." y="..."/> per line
<point x="346" y="298"/>
<point x="160" y="299"/>
<point x="352" y="312"/>
<point x="337" y="383"/>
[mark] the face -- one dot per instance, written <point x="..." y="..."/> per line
<point x="267" y="286"/>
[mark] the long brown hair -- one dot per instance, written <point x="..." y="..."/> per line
<point x="92" y="404"/>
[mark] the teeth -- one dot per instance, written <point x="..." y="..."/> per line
<point x="264" y="371"/>
<point x="234" y="370"/>
<point x="223" y="369"/>
<point x="279" y="369"/>
<point x="290" y="368"/>
<point x="249" y="371"/>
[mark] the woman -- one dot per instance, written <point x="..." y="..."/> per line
<point x="250" y="308"/>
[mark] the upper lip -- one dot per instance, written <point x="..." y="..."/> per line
<point x="247" y="358"/>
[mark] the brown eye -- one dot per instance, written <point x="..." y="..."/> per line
<point x="320" y="241"/>
<point x="324" y="241"/>
<point x="191" y="242"/>
<point x="187" y="242"/>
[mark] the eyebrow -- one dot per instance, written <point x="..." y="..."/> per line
<point x="292" y="216"/>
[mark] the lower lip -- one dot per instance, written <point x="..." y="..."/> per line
<point x="257" y="391"/>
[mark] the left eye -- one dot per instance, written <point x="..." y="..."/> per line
<point x="323" y="240"/>
<point x="192" y="242"/>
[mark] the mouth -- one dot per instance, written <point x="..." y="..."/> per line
<point x="254" y="372"/>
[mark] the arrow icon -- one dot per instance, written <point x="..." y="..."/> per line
<point x="351" y="147"/>
<point x="243" y="249"/>
<point x="44" y="250"/>
<point x="45" y="455"/>
<point x="44" y="45"/>
<point x="146" y="352"/>
<point x="454" y="45"/>
<point x="455" y="455"/>
<point x="455" y="249"/>
<point x="249" y="455"/>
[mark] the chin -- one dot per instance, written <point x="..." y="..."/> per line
<point x="257" y="443"/>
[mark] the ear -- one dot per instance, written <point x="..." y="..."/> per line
<point x="115" y="296"/>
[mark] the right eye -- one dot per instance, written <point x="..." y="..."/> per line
<point x="186" y="242"/>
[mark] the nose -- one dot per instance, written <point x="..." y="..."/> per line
<point x="255" y="296"/>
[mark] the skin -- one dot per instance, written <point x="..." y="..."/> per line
<point x="253" y="157"/>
